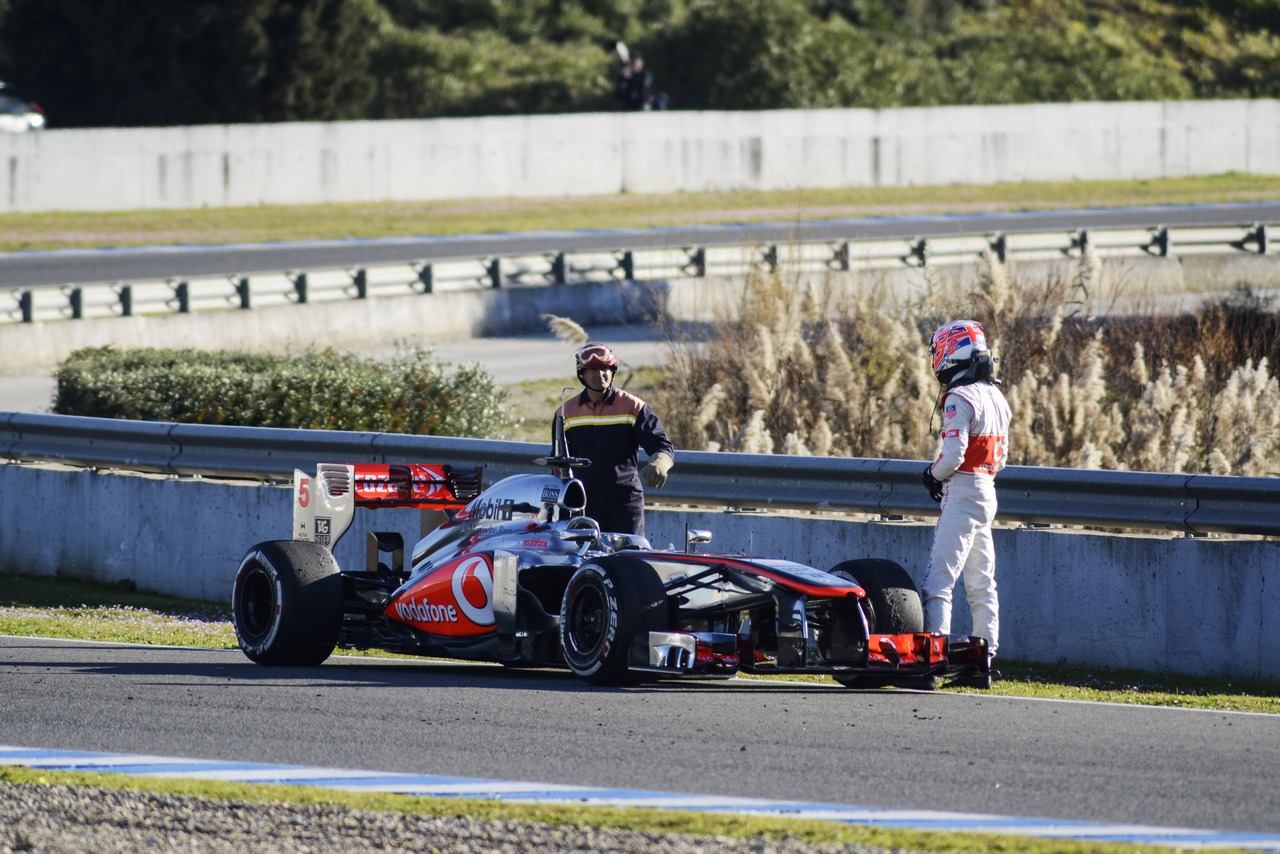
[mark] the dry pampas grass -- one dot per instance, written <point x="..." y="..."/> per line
<point x="788" y="370"/>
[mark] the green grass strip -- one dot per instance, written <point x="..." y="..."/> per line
<point x="256" y="224"/>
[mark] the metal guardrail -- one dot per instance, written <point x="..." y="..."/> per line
<point x="243" y="292"/>
<point x="1188" y="504"/>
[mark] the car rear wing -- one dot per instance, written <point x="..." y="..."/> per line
<point x="325" y="503"/>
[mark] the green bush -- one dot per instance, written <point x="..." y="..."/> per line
<point x="315" y="391"/>
<point x="204" y="61"/>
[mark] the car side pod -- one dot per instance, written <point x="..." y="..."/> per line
<point x="685" y="652"/>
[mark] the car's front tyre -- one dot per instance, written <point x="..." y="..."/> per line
<point x="607" y="604"/>
<point x="892" y="606"/>
<point x="892" y="600"/>
<point x="286" y="604"/>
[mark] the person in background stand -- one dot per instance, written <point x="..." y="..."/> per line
<point x="975" y="445"/>
<point x="635" y="84"/>
<point x="609" y="426"/>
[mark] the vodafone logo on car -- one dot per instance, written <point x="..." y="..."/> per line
<point x="454" y="600"/>
<point x="473" y="588"/>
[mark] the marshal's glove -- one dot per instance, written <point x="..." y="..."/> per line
<point x="655" y="473"/>
<point x="931" y="483"/>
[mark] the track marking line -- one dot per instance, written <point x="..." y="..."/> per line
<point x="422" y="785"/>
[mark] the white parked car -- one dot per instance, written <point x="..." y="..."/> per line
<point x="17" y="114"/>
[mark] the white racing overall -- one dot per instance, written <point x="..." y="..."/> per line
<point x="975" y="445"/>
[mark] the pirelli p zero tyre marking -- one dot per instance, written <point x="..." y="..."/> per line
<point x="286" y="604"/>
<point x="607" y="603"/>
<point x="256" y="603"/>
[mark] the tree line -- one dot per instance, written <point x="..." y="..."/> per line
<point x="94" y="63"/>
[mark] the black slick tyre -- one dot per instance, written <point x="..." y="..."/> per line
<point x="608" y="603"/>
<point x="892" y="606"/>
<point x="286" y="605"/>
<point x="892" y="601"/>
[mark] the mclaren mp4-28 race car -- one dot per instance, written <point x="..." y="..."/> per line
<point x="517" y="574"/>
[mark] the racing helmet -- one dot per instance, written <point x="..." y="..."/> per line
<point x="959" y="352"/>
<point x="595" y="355"/>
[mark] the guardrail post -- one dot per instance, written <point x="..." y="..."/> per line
<point x="1079" y="240"/>
<point x="242" y="291"/>
<point x="426" y="278"/>
<point x="1160" y="243"/>
<point x="918" y="252"/>
<point x="697" y="263"/>
<point x="1257" y="236"/>
<point x="75" y="303"/>
<point x="300" y="288"/>
<point x="361" y="281"/>
<point x="770" y="257"/>
<point x="182" y="296"/>
<point x="558" y="269"/>
<point x="626" y="262"/>
<point x="26" y="306"/>
<point x="1000" y="247"/>
<point x="126" y="300"/>
<point x="839" y="257"/>
<point x="493" y="272"/>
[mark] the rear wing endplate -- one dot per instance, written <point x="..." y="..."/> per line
<point x="325" y="503"/>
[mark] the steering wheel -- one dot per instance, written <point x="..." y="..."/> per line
<point x="583" y="523"/>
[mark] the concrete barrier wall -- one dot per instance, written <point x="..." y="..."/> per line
<point x="1155" y="603"/>
<point x="608" y="153"/>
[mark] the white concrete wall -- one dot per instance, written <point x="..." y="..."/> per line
<point x="607" y="153"/>
<point x="1166" y="603"/>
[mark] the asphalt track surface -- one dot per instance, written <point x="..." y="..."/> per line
<point x="33" y="269"/>
<point x="899" y="749"/>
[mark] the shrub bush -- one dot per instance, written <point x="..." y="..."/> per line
<point x="315" y="390"/>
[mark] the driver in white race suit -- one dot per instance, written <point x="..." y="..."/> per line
<point x="975" y="445"/>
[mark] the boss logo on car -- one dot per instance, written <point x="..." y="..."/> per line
<point x="550" y="494"/>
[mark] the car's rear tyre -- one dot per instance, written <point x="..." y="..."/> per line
<point x="607" y="603"/>
<point x="286" y="605"/>
<point x="892" y="606"/>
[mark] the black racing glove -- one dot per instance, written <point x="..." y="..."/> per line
<point x="931" y="483"/>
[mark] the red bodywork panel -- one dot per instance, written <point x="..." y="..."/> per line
<point x="454" y="600"/>
<point x="439" y="487"/>
<point x="906" y="651"/>
<point x="920" y="651"/>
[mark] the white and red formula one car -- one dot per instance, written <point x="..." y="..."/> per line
<point x="517" y="574"/>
